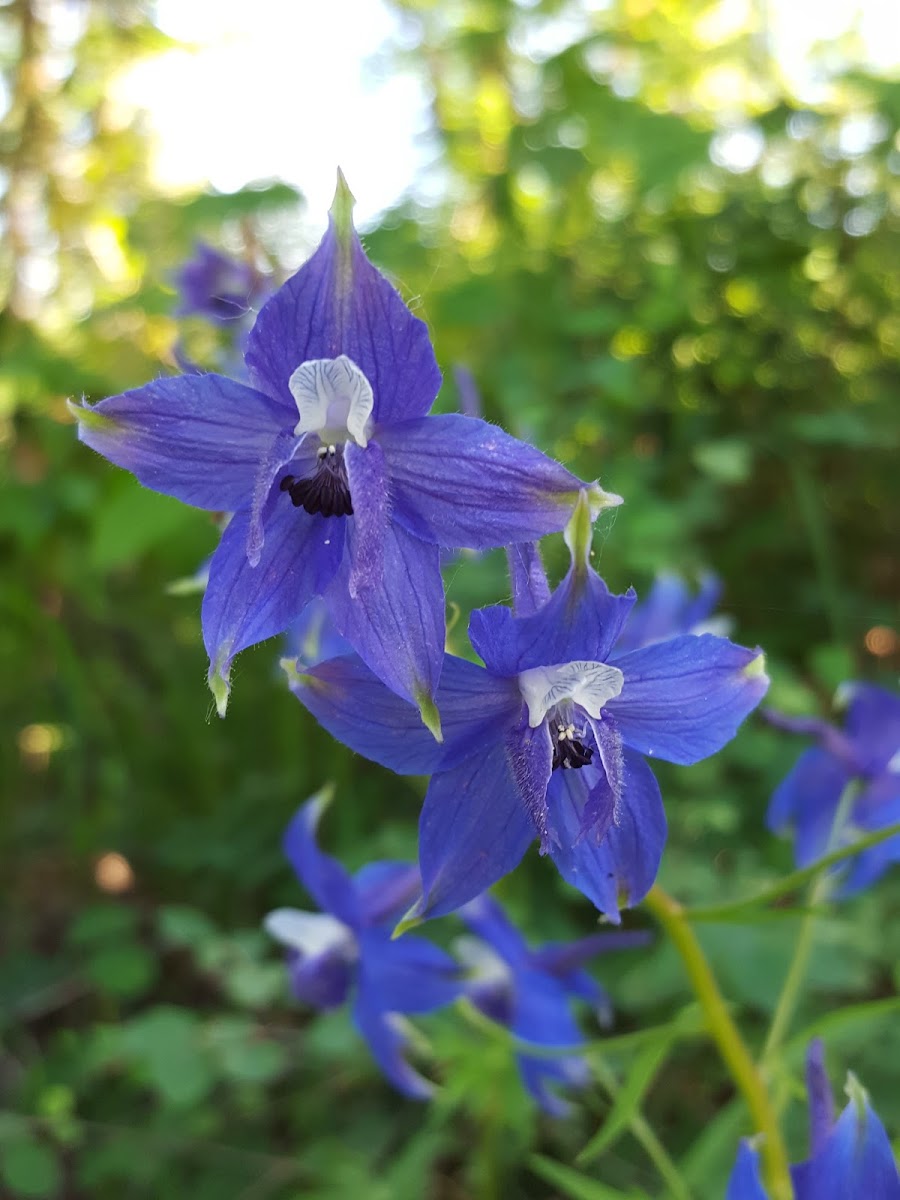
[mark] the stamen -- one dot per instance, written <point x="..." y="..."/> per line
<point x="327" y="491"/>
<point x="569" y="751"/>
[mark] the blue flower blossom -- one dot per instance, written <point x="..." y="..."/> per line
<point x="850" y="1159"/>
<point x="220" y="288"/>
<point x="348" y="945"/>
<point x="340" y="483"/>
<point x="549" y="737"/>
<point x="530" y="992"/>
<point x="670" y="609"/>
<point x="864" y="756"/>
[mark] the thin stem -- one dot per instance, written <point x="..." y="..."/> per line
<point x="811" y="507"/>
<point x="724" y="1032"/>
<point x="644" y="1134"/>
<point x="803" y="947"/>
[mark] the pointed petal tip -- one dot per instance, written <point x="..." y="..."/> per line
<point x="598" y="499"/>
<point x="341" y="210"/>
<point x="411" y="921"/>
<point x="296" y="678"/>
<point x="221" y="689"/>
<point x="428" y="711"/>
<point x="756" y="668"/>
<point x="89" y="418"/>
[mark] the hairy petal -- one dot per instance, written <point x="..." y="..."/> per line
<point x="199" y="438"/>
<point x="359" y="710"/>
<point x="528" y="579"/>
<point x="246" y="604"/>
<point x="322" y="876"/>
<point x="398" y="628"/>
<point x="529" y="752"/>
<point x="473" y="830"/>
<point x="338" y="303"/>
<point x="621" y="867"/>
<point x="459" y="481"/>
<point x="371" y="516"/>
<point x="684" y="699"/>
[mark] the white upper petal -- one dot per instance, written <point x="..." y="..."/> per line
<point x="310" y="933"/>
<point x="588" y="684"/>
<point x="333" y="398"/>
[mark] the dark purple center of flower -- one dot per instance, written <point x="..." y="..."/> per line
<point x="327" y="491"/>
<point x="569" y="752"/>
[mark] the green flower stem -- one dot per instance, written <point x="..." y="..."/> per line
<point x="737" y="1058"/>
<point x="818" y="895"/>
<point x="644" y="1134"/>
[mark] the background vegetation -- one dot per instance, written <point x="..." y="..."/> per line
<point x="662" y="269"/>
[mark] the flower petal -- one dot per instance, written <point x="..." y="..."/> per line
<point x="873" y="724"/>
<point x="369" y="494"/>
<point x="529" y="751"/>
<point x="821" y="1100"/>
<point x="473" y="830"/>
<point x="528" y="579"/>
<point x="581" y="621"/>
<point x="621" y="869"/>
<point x="322" y="876"/>
<point x="408" y="974"/>
<point x="199" y="438"/>
<point x="360" y="711"/>
<point x="877" y="807"/>
<point x="856" y="1161"/>
<point x="683" y="699"/>
<point x="338" y="304"/>
<point x="246" y="604"/>
<point x="486" y="918"/>
<point x="745" y="1183"/>
<point x="807" y="799"/>
<point x="386" y="890"/>
<point x="387" y="1039"/>
<point x="458" y="481"/>
<point x="397" y="629"/>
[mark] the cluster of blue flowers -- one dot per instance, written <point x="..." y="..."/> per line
<point x="343" y="494"/>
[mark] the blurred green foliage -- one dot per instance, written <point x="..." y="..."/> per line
<point x="661" y="268"/>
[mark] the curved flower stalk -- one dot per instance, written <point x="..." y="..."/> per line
<point x="348" y="945"/>
<point x="670" y="609"/>
<point x="340" y="483"/>
<point x="865" y="753"/>
<point x="530" y="992"/>
<point x="549" y="738"/>
<point x="850" y="1159"/>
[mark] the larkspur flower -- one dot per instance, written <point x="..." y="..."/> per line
<point x="849" y="1159"/>
<point x="340" y="483"/>
<point x="548" y="738"/>
<point x="213" y="285"/>
<point x="864" y="756"/>
<point x="348" y="945"/>
<point x="531" y="992"/>
<point x="670" y="609"/>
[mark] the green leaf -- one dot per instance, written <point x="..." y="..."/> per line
<point x="626" y="1106"/>
<point x="125" y="971"/>
<point x="166" y="1044"/>
<point x="575" y="1185"/>
<point x="133" y="521"/>
<point x="28" y="1167"/>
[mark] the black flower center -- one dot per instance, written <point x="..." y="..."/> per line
<point x="569" y="751"/>
<point x="327" y="491"/>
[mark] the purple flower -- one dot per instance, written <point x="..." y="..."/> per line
<point x="548" y="738"/>
<point x="670" y="609"/>
<point x="340" y="484"/>
<point x="864" y="755"/>
<point x="850" y="1159"/>
<point x="530" y="992"/>
<point x="217" y="287"/>
<point x="348" y="944"/>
